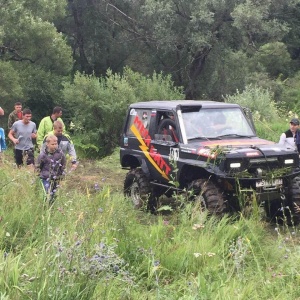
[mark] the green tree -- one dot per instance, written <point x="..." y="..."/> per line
<point x="196" y="41"/>
<point x="100" y="105"/>
<point x="32" y="50"/>
<point x="97" y="37"/>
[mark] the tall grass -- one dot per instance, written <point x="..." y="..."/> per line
<point x="93" y="245"/>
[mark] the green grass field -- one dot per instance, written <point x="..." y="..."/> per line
<point x="92" y="245"/>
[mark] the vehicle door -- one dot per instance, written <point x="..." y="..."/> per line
<point x="164" y="147"/>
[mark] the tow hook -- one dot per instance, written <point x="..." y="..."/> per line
<point x="282" y="195"/>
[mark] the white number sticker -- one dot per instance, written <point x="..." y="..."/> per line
<point x="174" y="154"/>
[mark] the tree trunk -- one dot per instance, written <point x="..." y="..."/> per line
<point x="77" y="13"/>
<point x="196" y="69"/>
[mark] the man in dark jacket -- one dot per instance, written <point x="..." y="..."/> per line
<point x="289" y="137"/>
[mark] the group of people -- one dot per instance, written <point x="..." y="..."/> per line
<point x="53" y="143"/>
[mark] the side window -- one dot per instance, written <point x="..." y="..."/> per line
<point x="166" y="129"/>
<point x="142" y="114"/>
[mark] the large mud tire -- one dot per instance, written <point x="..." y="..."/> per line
<point x="286" y="211"/>
<point x="294" y="200"/>
<point x="274" y="210"/>
<point x="210" y="196"/>
<point x="138" y="188"/>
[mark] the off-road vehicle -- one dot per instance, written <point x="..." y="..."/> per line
<point x="211" y="149"/>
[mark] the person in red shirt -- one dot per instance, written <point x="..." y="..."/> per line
<point x="15" y="115"/>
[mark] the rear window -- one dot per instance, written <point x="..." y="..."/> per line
<point x="143" y="115"/>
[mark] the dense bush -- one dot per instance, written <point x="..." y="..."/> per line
<point x="99" y="105"/>
<point x="259" y="100"/>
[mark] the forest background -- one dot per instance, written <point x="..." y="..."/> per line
<point x="94" y="57"/>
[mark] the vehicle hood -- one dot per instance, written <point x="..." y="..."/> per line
<point x="247" y="147"/>
<point x="235" y="143"/>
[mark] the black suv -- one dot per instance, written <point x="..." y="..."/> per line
<point x="211" y="149"/>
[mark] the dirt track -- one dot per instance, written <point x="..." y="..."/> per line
<point x="93" y="174"/>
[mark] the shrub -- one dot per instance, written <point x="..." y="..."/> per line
<point x="259" y="100"/>
<point x="100" y="104"/>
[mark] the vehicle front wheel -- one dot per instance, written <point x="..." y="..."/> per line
<point x="210" y="196"/>
<point x="138" y="188"/>
<point x="294" y="200"/>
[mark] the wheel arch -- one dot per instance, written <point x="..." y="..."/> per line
<point x="130" y="161"/>
<point x="135" y="161"/>
<point x="190" y="173"/>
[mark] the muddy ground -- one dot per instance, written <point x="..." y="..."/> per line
<point x="96" y="174"/>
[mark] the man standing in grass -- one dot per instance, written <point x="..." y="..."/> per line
<point x="2" y="140"/>
<point x="64" y="143"/>
<point x="46" y="124"/>
<point x="289" y="137"/>
<point x="21" y="134"/>
<point x="15" y="115"/>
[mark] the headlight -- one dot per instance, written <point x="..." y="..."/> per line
<point x="235" y="165"/>
<point x="288" y="161"/>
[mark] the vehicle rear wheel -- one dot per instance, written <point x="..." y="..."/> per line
<point x="137" y="187"/>
<point x="210" y="196"/>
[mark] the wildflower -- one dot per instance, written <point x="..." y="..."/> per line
<point x="197" y="254"/>
<point x="103" y="179"/>
<point x="78" y="243"/>
<point x="116" y="268"/>
<point x="165" y="222"/>
<point x="96" y="186"/>
<point x="100" y="210"/>
<point x="197" y="226"/>
<point x="156" y="263"/>
<point x="210" y="254"/>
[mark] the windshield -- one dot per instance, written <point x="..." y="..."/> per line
<point x="216" y="123"/>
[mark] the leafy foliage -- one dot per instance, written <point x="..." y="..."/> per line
<point x="32" y="51"/>
<point x="100" y="104"/>
<point x="259" y="100"/>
